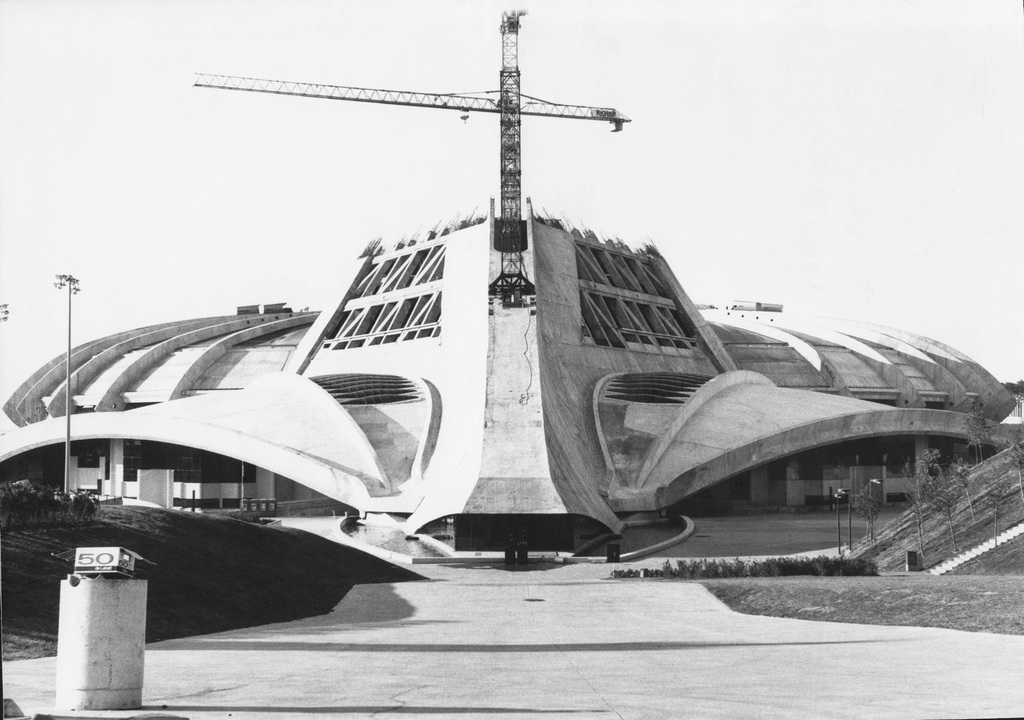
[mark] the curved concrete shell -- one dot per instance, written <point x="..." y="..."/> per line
<point x="282" y="422"/>
<point x="740" y="421"/>
<point x="558" y="414"/>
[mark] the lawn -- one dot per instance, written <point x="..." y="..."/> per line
<point x="210" y="574"/>
<point x="978" y="603"/>
<point x="771" y="534"/>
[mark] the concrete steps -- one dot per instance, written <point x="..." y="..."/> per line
<point x="974" y="552"/>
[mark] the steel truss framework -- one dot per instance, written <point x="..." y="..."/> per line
<point x="442" y="101"/>
<point x="398" y="300"/>
<point x="624" y="304"/>
<point x="509" y="239"/>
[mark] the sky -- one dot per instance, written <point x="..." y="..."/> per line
<point x="860" y="159"/>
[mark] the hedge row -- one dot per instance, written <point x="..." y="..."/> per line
<point x="24" y="506"/>
<point x="772" y="567"/>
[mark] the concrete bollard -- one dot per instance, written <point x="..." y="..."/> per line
<point x="101" y="643"/>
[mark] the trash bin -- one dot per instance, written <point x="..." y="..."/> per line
<point x="913" y="565"/>
<point x="613" y="553"/>
<point x="101" y="632"/>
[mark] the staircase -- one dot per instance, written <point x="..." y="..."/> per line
<point x="974" y="552"/>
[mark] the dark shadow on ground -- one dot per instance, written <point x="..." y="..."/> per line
<point x="256" y="645"/>
<point x="500" y="565"/>
<point x="274" y="711"/>
<point x="377" y="605"/>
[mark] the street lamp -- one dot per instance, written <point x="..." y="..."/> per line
<point x="873" y="511"/>
<point x="71" y="283"/>
<point x="840" y="493"/>
<point x="4" y="313"/>
<point x="849" y="519"/>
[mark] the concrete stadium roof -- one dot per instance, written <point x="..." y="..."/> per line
<point x="606" y="393"/>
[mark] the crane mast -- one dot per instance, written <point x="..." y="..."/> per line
<point x="509" y="239"/>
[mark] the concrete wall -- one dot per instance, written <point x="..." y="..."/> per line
<point x="395" y="432"/>
<point x="570" y="371"/>
<point x="156" y="486"/>
<point x="455" y="365"/>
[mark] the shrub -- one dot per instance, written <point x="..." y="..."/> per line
<point x="24" y="505"/>
<point x="712" y="568"/>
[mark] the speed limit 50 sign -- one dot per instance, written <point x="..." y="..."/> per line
<point x="105" y="561"/>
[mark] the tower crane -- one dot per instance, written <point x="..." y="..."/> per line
<point x="510" y="103"/>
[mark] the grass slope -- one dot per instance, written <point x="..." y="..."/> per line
<point x="212" y="574"/>
<point x="1004" y="559"/>
<point x="900" y="535"/>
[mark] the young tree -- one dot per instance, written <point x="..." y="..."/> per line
<point x="978" y="432"/>
<point x="960" y="473"/>
<point x="999" y="492"/>
<point x="865" y="506"/>
<point x="943" y="494"/>
<point x="920" y="475"/>
<point x="1017" y="456"/>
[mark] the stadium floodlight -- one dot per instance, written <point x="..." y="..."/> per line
<point x="72" y="284"/>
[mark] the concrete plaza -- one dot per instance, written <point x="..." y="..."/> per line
<point x="561" y="641"/>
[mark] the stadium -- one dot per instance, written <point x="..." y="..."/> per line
<point x="595" y="396"/>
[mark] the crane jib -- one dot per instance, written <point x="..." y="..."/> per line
<point x="461" y="103"/>
<point x="510" y="239"/>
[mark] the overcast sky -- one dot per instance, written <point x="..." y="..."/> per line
<point x="856" y="159"/>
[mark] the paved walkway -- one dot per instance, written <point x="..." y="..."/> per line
<point x="563" y="641"/>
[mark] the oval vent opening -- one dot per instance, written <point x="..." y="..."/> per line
<point x="654" y="388"/>
<point x="362" y="389"/>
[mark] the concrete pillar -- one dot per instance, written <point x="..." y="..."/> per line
<point x="264" y="483"/>
<point x="116" y="467"/>
<point x="157" y="486"/>
<point x="101" y="643"/>
<point x="759" y="485"/>
<point x="920" y="445"/>
<point x="73" y="478"/>
<point x="794" y="486"/>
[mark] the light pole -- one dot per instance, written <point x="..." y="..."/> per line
<point x="71" y="283"/>
<point x="849" y="520"/>
<point x="881" y="483"/>
<point x="4" y="313"/>
<point x="873" y="509"/>
<point x="840" y="493"/>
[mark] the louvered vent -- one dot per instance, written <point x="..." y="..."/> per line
<point x="369" y="389"/>
<point x="656" y="388"/>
